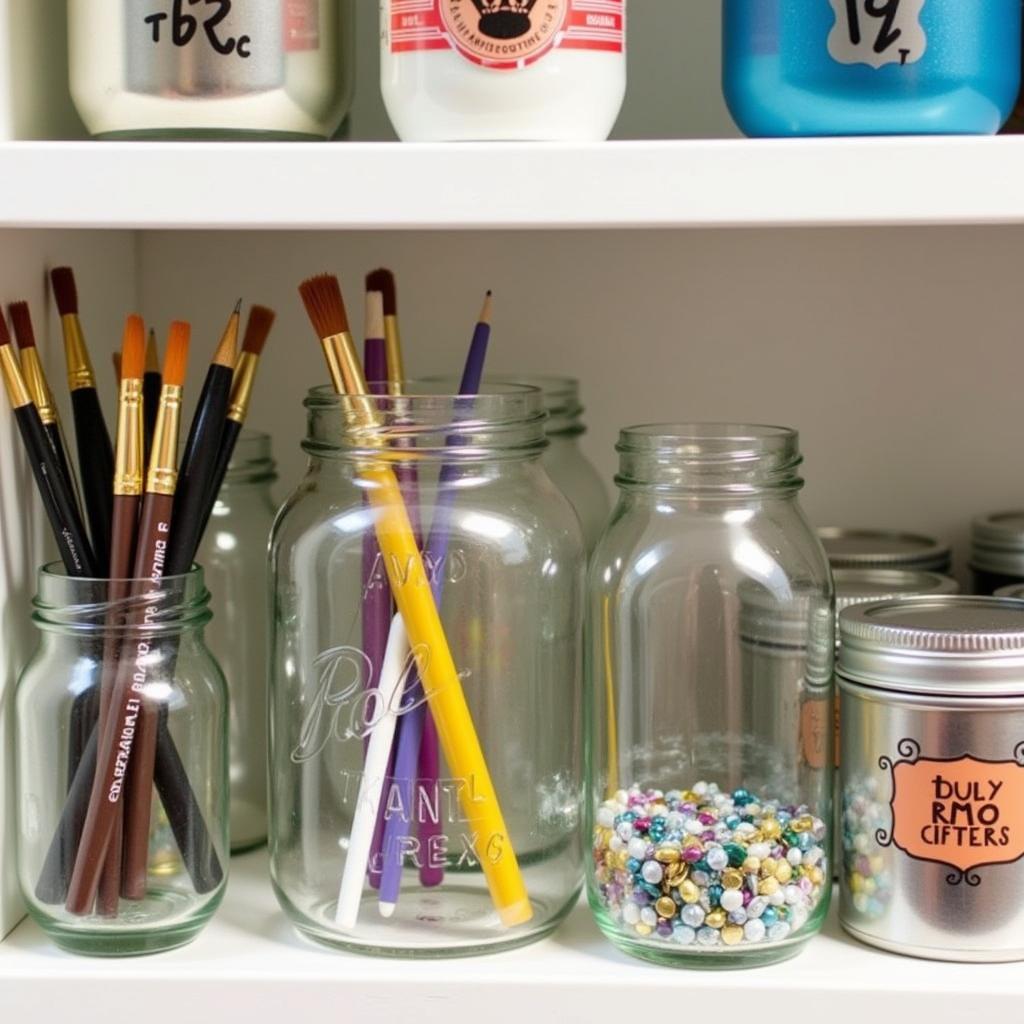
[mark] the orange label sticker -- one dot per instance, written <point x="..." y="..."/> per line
<point x="965" y="812"/>
<point x="815" y="723"/>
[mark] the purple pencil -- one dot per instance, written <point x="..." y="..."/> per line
<point x="417" y="754"/>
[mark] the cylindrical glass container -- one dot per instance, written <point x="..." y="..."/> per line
<point x="462" y="70"/>
<point x="709" y="745"/>
<point x="234" y="557"/>
<point x="866" y="67"/>
<point x="382" y="839"/>
<point x="997" y="551"/>
<point x="884" y="549"/>
<point x="150" y="647"/>
<point x="933" y="776"/>
<point x="232" y="69"/>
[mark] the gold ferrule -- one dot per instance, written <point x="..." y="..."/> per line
<point x="128" y="468"/>
<point x="162" y="477"/>
<point x="348" y="380"/>
<point x="35" y="381"/>
<point x="80" y="373"/>
<point x="393" y="349"/>
<point x="241" y="386"/>
<point x="13" y="380"/>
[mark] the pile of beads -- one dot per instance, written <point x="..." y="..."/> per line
<point x="704" y="867"/>
<point x="868" y="883"/>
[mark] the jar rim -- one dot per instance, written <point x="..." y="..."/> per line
<point x="727" y="432"/>
<point x="324" y="397"/>
<point x="56" y="571"/>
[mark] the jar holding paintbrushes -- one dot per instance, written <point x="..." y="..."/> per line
<point x="425" y="734"/>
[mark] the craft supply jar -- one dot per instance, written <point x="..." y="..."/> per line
<point x="997" y="551"/>
<point x="933" y="776"/>
<point x="709" y="673"/>
<point x="863" y="67"/>
<point x="229" y="69"/>
<point x="503" y="70"/>
<point x="400" y="824"/>
<point x="143" y="651"/>
<point x="234" y="557"/>
<point x="885" y="549"/>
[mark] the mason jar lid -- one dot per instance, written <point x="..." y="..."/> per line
<point x="997" y="543"/>
<point x="864" y="586"/>
<point x="884" y="549"/>
<point x="953" y="646"/>
<point x="802" y="624"/>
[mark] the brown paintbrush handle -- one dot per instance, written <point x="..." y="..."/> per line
<point x="123" y="735"/>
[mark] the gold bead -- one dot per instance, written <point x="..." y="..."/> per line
<point x="732" y="934"/>
<point x="816" y="876"/>
<point x="715" y="919"/>
<point x="752" y="865"/>
<point x="768" y="867"/>
<point x="622" y="859"/>
<point x="609" y="859"/>
<point x="666" y="907"/>
<point x="784" y="872"/>
<point x="689" y="797"/>
<point x="667" y="855"/>
<point x="643" y="929"/>
<point x="771" y="828"/>
<point x="677" y="873"/>
<point x="768" y="887"/>
<point x="689" y="892"/>
<point x="732" y="879"/>
<point x="802" y="824"/>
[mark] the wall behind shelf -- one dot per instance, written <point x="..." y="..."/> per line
<point x="895" y="351"/>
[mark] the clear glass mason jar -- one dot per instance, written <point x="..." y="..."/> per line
<point x="504" y="563"/>
<point x="709" y="673"/>
<point x="234" y="557"/>
<point x="83" y="638"/>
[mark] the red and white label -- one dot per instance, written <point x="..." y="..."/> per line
<point x="301" y="25"/>
<point x="506" y="35"/>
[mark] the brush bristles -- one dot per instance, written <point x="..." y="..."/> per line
<point x="152" y="354"/>
<point x="133" y="349"/>
<point x="21" y="321"/>
<point x="65" y="291"/>
<point x="257" y="330"/>
<point x="325" y="305"/>
<point x="383" y="281"/>
<point x="176" y="357"/>
<point x="5" y="334"/>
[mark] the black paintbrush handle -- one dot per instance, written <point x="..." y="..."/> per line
<point x="65" y="521"/>
<point x="232" y="430"/>
<point x="96" y="470"/>
<point x="151" y="385"/>
<point x="57" y="445"/>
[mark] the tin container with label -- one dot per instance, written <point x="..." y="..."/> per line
<point x="884" y="549"/>
<point x="997" y="551"/>
<point x="932" y="776"/>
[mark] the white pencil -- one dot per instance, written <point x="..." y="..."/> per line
<point x="375" y="770"/>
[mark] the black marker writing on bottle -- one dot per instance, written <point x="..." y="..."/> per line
<point x="184" y="26"/>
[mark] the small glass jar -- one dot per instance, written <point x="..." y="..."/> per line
<point x="234" y="557"/>
<point x="709" y="749"/>
<point x="236" y="69"/>
<point x="997" y="551"/>
<point x="551" y="70"/>
<point x="83" y="639"/>
<point x="885" y="549"/>
<point x="386" y="836"/>
<point x="862" y="67"/>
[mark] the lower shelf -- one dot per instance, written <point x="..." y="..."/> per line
<point x="251" y="965"/>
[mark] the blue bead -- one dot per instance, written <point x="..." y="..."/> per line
<point x="702" y="865"/>
<point x="715" y="894"/>
<point x="652" y="890"/>
<point x="770" y="916"/>
<point x="806" y="841"/>
<point x="633" y="865"/>
<point x="741" y="798"/>
<point x="732" y="820"/>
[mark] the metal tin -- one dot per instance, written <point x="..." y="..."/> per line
<point x="884" y="549"/>
<point x="868" y="586"/>
<point x="932" y="776"/>
<point x="997" y="550"/>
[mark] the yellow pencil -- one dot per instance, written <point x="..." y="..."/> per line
<point x="411" y="588"/>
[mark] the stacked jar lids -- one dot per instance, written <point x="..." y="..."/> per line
<point x="997" y="543"/>
<point x="865" y="586"/>
<point x="884" y="549"/>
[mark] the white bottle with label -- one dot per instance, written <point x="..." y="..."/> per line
<point x="503" y="70"/>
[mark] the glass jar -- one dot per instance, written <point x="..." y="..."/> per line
<point x="862" y="67"/>
<point x="553" y="70"/>
<point x="237" y="69"/>
<point x="884" y="549"/>
<point x="376" y="846"/>
<point x="83" y="640"/>
<point x="997" y="551"/>
<point x="709" y="668"/>
<point x="234" y="557"/>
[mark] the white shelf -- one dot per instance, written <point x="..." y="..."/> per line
<point x="699" y="183"/>
<point x="250" y="964"/>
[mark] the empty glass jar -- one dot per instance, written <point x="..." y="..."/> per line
<point x="87" y="644"/>
<point x="709" y="673"/>
<point x="234" y="557"/>
<point x="400" y="824"/>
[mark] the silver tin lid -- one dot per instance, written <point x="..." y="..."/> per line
<point x="884" y="549"/>
<point x="997" y="543"/>
<point x="1016" y="590"/>
<point x="954" y="646"/>
<point x="864" y="586"/>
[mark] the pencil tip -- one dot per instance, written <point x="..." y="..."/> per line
<point x="238" y="308"/>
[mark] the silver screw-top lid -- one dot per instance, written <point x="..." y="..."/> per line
<point x="1016" y="590"/>
<point x="954" y="646"/>
<point x="864" y="586"/>
<point x="884" y="549"/>
<point x="997" y="543"/>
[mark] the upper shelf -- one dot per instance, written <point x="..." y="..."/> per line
<point x="656" y="184"/>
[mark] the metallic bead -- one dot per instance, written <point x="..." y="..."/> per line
<point x="783" y="872"/>
<point x="689" y="892"/>
<point x="771" y="828"/>
<point x="666" y="907"/>
<point x="768" y="886"/>
<point x="752" y="865"/>
<point x="668" y="854"/>
<point x="643" y="929"/>
<point x="732" y="879"/>
<point x="732" y="934"/>
<point x="768" y="867"/>
<point x="802" y="824"/>
<point x="716" y="919"/>
<point x="622" y="859"/>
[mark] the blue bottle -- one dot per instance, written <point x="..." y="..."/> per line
<point x="871" y="67"/>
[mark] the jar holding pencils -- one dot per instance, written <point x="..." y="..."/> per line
<point x="114" y="670"/>
<point x="710" y="647"/>
<point x="426" y="767"/>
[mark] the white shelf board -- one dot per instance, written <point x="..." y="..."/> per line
<point x="250" y="964"/>
<point x="658" y="184"/>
